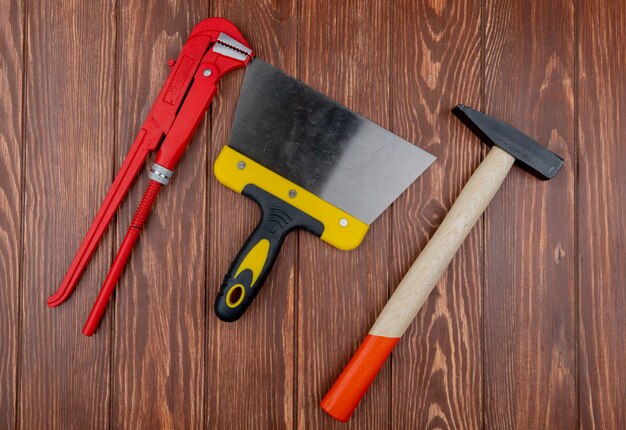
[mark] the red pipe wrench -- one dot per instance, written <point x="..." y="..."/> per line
<point x="215" y="47"/>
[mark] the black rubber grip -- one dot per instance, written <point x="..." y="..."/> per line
<point x="256" y="258"/>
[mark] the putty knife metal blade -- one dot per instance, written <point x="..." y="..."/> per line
<point x="315" y="142"/>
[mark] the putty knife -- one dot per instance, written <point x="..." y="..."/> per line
<point x="309" y="163"/>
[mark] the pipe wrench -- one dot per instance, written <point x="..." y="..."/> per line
<point x="215" y="47"/>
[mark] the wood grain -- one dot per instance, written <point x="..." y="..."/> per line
<point x="601" y="130"/>
<point x="160" y="324"/>
<point x="69" y="139"/>
<point x="249" y="366"/>
<point x="436" y="65"/>
<point x="529" y="314"/>
<point x="339" y="292"/>
<point x="11" y="133"/>
<point x="526" y="327"/>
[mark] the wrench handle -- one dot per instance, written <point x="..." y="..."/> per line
<point x="136" y="225"/>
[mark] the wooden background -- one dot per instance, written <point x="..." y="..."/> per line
<point x="525" y="330"/>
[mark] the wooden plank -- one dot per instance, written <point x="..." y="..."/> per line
<point x="249" y="366"/>
<point x="67" y="169"/>
<point x="437" y="364"/>
<point x="601" y="223"/>
<point x="344" y="53"/>
<point x="11" y="74"/>
<point x="530" y="287"/>
<point x="160" y="324"/>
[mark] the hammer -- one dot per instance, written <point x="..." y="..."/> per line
<point x="509" y="146"/>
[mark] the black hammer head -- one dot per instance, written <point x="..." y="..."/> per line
<point x="528" y="154"/>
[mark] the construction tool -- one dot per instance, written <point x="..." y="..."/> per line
<point x="509" y="146"/>
<point x="309" y="163"/>
<point x="215" y="47"/>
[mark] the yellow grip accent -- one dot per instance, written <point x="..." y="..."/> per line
<point x="239" y="291"/>
<point x="255" y="260"/>
<point x="341" y="229"/>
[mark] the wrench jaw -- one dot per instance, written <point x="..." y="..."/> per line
<point x="223" y="49"/>
<point x="224" y="39"/>
<point x="227" y="54"/>
<point x="214" y="44"/>
<point x="230" y="47"/>
<point x="224" y="54"/>
<point x="212" y="27"/>
<point x="203" y="45"/>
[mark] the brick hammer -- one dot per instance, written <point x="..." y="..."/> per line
<point x="509" y="146"/>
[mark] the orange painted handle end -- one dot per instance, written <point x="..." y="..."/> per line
<point x="349" y="388"/>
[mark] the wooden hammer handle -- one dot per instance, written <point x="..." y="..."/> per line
<point x="423" y="275"/>
<point x="417" y="284"/>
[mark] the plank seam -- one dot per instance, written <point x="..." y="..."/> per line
<point x="392" y="210"/>
<point x="207" y="250"/>
<point x="114" y="239"/>
<point x="483" y="218"/>
<point x="576" y="207"/>
<point x="296" y="283"/>
<point x="20" y="271"/>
